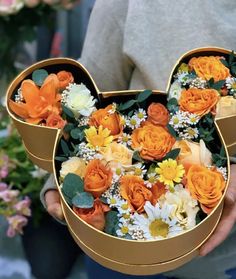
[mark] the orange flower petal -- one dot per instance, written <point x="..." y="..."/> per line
<point x="19" y="108"/>
<point x="49" y="89"/>
<point x="30" y="91"/>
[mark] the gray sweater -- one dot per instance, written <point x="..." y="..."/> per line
<point x="133" y="44"/>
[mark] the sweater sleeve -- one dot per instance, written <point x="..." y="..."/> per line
<point x="102" y="52"/>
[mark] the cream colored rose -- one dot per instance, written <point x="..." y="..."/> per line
<point x="184" y="206"/>
<point x="79" y="99"/>
<point x="73" y="165"/>
<point x="117" y="155"/>
<point x="193" y="153"/>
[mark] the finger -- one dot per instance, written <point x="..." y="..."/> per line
<point x="52" y="199"/>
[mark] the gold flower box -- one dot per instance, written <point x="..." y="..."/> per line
<point x="132" y="256"/>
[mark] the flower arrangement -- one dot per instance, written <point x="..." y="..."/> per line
<point x="141" y="169"/>
<point x="203" y="75"/>
<point x="20" y="181"/>
<point x="38" y="100"/>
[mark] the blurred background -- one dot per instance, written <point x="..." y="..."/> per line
<point x="31" y="31"/>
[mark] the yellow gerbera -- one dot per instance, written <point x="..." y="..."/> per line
<point x="169" y="172"/>
<point x="98" y="137"/>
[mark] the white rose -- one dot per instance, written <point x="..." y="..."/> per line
<point x="175" y="90"/>
<point x="8" y="7"/>
<point x="73" y="165"/>
<point x="184" y="206"/>
<point x="79" y="100"/>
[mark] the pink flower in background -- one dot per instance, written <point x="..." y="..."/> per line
<point x="4" y="161"/>
<point x="3" y="186"/>
<point x="23" y="207"/>
<point x="16" y="224"/>
<point x="8" y="7"/>
<point x="9" y="195"/>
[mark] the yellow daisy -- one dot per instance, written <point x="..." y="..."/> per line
<point x="97" y="138"/>
<point x="169" y="172"/>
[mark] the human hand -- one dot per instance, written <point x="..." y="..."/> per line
<point x="52" y="200"/>
<point x="228" y="218"/>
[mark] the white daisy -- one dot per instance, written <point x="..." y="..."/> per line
<point x="138" y="169"/>
<point x="125" y="139"/>
<point x="192" y="118"/>
<point x="113" y="201"/>
<point x="157" y="224"/>
<point x="133" y="122"/>
<point x="152" y="179"/>
<point x="230" y="83"/>
<point x="190" y="133"/>
<point x="123" y="207"/>
<point x="123" y="230"/>
<point x="141" y="114"/>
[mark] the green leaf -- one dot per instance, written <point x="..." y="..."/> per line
<point x="61" y="158"/>
<point x="222" y="152"/>
<point x="172" y="131"/>
<point x="68" y="112"/>
<point x="224" y="62"/>
<point x="218" y="85"/>
<point x="143" y="95"/>
<point x="103" y="199"/>
<point x="172" y="105"/>
<point x="72" y="185"/>
<point x="83" y="200"/>
<point x="233" y="70"/>
<point x="65" y="147"/>
<point x="137" y="157"/>
<point x="68" y="127"/>
<point x="76" y="133"/>
<point x="173" y="154"/>
<point x="231" y="58"/>
<point x="126" y="105"/>
<point x="39" y="76"/>
<point x="112" y="222"/>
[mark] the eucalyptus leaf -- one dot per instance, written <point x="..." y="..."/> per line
<point x="224" y="62"/>
<point x="172" y="131"/>
<point x="65" y="147"/>
<point x="112" y="222"/>
<point x="72" y="185"/>
<point x="68" y="112"/>
<point x="172" y="105"/>
<point x="68" y="127"/>
<point x="39" y="76"/>
<point x="83" y="200"/>
<point x="127" y="105"/>
<point x="173" y="154"/>
<point x="218" y="85"/>
<point x="76" y="133"/>
<point x="60" y="158"/>
<point x="143" y="95"/>
<point x="136" y="156"/>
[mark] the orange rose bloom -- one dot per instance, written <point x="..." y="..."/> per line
<point x="133" y="189"/>
<point x="64" y="79"/>
<point x="55" y="121"/>
<point x="154" y="142"/>
<point x="199" y="101"/>
<point x="158" y="189"/>
<point x="94" y="216"/>
<point x="158" y="114"/>
<point x="97" y="178"/>
<point x="209" y="67"/>
<point x="111" y="121"/>
<point x="205" y="185"/>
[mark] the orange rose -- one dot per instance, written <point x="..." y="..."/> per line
<point x="209" y="67"/>
<point x="205" y="185"/>
<point x="158" y="114"/>
<point x="64" y="79"/>
<point x="154" y="142"/>
<point x="55" y="121"/>
<point x="97" y="178"/>
<point x="107" y="119"/>
<point x="199" y="101"/>
<point x="158" y="189"/>
<point x="94" y="216"/>
<point x="133" y="189"/>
